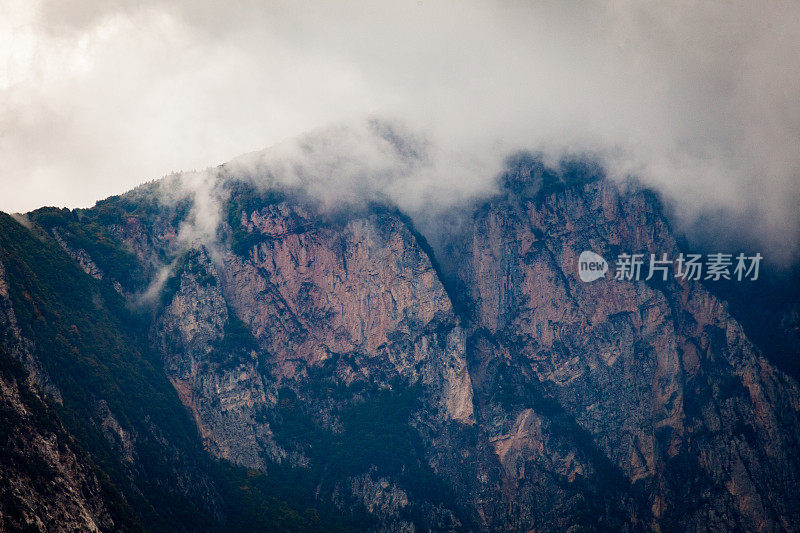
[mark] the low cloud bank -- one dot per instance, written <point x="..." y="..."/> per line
<point x="698" y="100"/>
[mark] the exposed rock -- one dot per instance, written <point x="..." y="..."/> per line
<point x="80" y="256"/>
<point x="660" y="375"/>
<point x="220" y="385"/>
<point x="17" y="345"/>
<point x="44" y="484"/>
<point x="496" y="391"/>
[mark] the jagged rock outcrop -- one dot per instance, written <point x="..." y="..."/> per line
<point x="356" y="305"/>
<point x="310" y="292"/>
<point x="80" y="256"/>
<point x="15" y="343"/>
<point x="96" y="434"/>
<point x="476" y="384"/>
<point x="659" y="375"/>
<point x="622" y="384"/>
<point x="46" y="482"/>
<point x="46" y="485"/>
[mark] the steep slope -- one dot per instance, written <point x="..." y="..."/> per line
<point x="104" y="407"/>
<point x="322" y="344"/>
<point x="234" y="354"/>
<point x="659" y="375"/>
<point x="89" y="345"/>
<point x="47" y="482"/>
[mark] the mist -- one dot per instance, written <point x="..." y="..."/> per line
<point x="698" y="100"/>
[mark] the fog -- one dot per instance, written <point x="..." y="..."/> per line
<point x="697" y="99"/>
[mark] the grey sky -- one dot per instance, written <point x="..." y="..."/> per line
<point x="698" y="98"/>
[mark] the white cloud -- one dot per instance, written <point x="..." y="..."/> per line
<point x="698" y="98"/>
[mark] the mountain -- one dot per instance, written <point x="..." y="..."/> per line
<point x="247" y="355"/>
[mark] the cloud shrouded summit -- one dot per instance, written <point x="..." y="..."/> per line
<point x="698" y="99"/>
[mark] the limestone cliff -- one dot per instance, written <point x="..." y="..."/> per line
<point x="475" y="384"/>
<point x="659" y="375"/>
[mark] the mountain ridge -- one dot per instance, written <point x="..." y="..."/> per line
<point x="469" y="384"/>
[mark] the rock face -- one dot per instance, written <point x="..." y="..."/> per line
<point x="316" y="315"/>
<point x="365" y="292"/>
<point x="659" y="376"/>
<point x="16" y="345"/>
<point x="46" y="483"/>
<point x="81" y="256"/>
<point x="648" y="388"/>
<point x="474" y="385"/>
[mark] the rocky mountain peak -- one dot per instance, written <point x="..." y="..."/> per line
<point x="476" y="383"/>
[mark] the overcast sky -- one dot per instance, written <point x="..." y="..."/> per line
<point x="701" y="99"/>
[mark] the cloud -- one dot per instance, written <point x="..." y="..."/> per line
<point x="698" y="99"/>
<point x="371" y="159"/>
